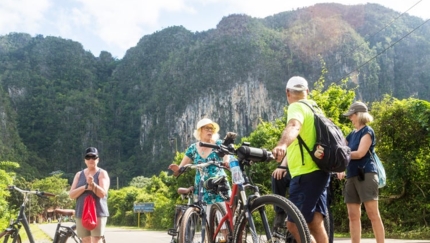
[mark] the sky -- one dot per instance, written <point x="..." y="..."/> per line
<point x="117" y="25"/>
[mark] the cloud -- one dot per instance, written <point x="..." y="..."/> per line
<point x="22" y="15"/>
<point x="115" y="26"/>
<point x="123" y="23"/>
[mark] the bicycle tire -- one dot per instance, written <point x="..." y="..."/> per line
<point x="216" y="212"/>
<point x="3" y="233"/>
<point x="262" y="210"/>
<point x="190" y="230"/>
<point x="327" y="227"/>
<point x="9" y="238"/>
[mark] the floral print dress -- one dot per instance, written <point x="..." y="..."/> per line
<point x="211" y="171"/>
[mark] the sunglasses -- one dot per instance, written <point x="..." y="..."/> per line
<point x="91" y="157"/>
<point x="209" y="128"/>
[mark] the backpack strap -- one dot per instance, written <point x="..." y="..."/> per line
<point x="301" y="145"/>
<point x="300" y="139"/>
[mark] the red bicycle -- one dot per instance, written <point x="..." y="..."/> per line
<point x="246" y="215"/>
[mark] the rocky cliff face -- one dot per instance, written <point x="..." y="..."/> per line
<point x="238" y="110"/>
<point x="140" y="109"/>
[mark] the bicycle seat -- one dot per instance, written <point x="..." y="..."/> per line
<point x="185" y="191"/>
<point x="65" y="212"/>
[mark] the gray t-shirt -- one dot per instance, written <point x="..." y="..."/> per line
<point x="101" y="203"/>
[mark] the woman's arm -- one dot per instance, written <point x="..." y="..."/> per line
<point x="175" y="168"/>
<point x="363" y="147"/>
<point x="76" y="192"/>
<point x="102" y="188"/>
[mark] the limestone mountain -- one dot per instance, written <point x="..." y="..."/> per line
<point x="58" y="99"/>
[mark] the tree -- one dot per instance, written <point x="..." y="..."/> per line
<point x="140" y="181"/>
<point x="403" y="138"/>
<point x="5" y="180"/>
<point x="53" y="184"/>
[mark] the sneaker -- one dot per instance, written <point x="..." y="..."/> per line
<point x="280" y="220"/>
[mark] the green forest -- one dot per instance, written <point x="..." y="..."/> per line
<point x="140" y="111"/>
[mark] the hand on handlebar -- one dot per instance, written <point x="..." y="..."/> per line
<point x="279" y="153"/>
<point x="175" y="168"/>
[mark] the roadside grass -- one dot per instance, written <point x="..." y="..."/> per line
<point x="38" y="235"/>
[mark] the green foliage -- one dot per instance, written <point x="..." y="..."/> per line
<point x="55" y="185"/>
<point x="8" y="165"/>
<point x="140" y="182"/>
<point x="156" y="191"/>
<point x="56" y="99"/>
<point x="121" y="205"/>
<point x="5" y="214"/>
<point x="403" y="135"/>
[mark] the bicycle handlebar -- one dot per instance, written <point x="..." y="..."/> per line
<point x="36" y="192"/>
<point x="201" y="165"/>
<point x="244" y="152"/>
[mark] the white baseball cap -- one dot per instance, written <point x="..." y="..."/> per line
<point x="297" y="83"/>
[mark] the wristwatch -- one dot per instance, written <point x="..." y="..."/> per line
<point x="86" y="186"/>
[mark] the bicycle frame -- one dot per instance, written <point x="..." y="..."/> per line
<point x="186" y="193"/>
<point x="69" y="231"/>
<point x="15" y="225"/>
<point x="233" y="205"/>
<point x="199" y="203"/>
<point x="21" y="220"/>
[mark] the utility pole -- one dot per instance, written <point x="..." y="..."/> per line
<point x="176" y="144"/>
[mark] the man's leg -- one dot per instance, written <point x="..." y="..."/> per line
<point x="279" y="187"/>
<point x="309" y="193"/>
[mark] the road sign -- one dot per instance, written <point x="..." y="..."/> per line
<point x="143" y="207"/>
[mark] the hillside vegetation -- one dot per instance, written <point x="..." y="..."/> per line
<point x="57" y="99"/>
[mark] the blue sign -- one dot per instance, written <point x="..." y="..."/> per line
<point x="143" y="207"/>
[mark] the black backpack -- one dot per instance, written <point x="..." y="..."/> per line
<point x="336" y="153"/>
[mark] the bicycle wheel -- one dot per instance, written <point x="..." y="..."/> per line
<point x="327" y="222"/>
<point x="191" y="230"/>
<point x="263" y="213"/>
<point x="225" y="234"/>
<point x="3" y="233"/>
<point x="9" y="238"/>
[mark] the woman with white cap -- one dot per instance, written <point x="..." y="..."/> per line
<point x="207" y="132"/>
<point x="361" y="185"/>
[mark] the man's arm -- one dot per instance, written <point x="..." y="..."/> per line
<point x="290" y="133"/>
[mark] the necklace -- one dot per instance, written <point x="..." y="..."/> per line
<point x="203" y="150"/>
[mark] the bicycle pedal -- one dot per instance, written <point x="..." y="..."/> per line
<point x="172" y="232"/>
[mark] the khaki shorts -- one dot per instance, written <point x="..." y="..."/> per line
<point x="356" y="191"/>
<point x="98" y="231"/>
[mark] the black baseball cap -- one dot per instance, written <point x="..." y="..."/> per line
<point x="92" y="151"/>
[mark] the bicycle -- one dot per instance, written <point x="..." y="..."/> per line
<point x="193" y="225"/>
<point x="186" y="193"/>
<point x="62" y="232"/>
<point x="247" y="217"/>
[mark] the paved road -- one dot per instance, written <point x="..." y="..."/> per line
<point x="120" y="235"/>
